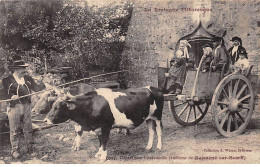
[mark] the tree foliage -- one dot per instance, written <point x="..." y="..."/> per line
<point x="65" y="33"/>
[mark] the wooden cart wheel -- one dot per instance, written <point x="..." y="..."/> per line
<point x="188" y="113"/>
<point x="232" y="105"/>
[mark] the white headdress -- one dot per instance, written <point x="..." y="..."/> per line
<point x="186" y="44"/>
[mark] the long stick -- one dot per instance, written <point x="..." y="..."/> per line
<point x="196" y="79"/>
<point x="7" y="100"/>
<point x="35" y="129"/>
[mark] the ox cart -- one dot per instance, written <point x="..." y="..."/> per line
<point x="230" y="97"/>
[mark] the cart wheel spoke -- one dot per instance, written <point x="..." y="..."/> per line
<point x="225" y="93"/>
<point x="194" y="112"/>
<point x="235" y="121"/>
<point x="179" y="104"/>
<point x="244" y="98"/>
<point x="188" y="115"/>
<point x="182" y="111"/>
<point x="242" y="119"/>
<point x="235" y="88"/>
<point x="222" y="111"/>
<point x="224" y="119"/>
<point x="200" y="109"/>
<point x="223" y="102"/>
<point x="229" y="123"/>
<point x="241" y="91"/>
<point x="230" y="89"/>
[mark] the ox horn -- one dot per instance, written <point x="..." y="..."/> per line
<point x="57" y="91"/>
<point x="70" y="97"/>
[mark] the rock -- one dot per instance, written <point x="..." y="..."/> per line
<point x="35" y="126"/>
<point x="66" y="139"/>
<point x="48" y="135"/>
<point x="33" y="154"/>
<point x="45" y="157"/>
<point x="2" y="162"/>
<point x="56" y="137"/>
<point x="34" y="161"/>
<point x="8" y="159"/>
<point x="18" y="162"/>
<point x="61" y="137"/>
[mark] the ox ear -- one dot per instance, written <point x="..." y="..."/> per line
<point x="52" y="99"/>
<point x="71" y="106"/>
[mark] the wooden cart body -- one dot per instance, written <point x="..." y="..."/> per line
<point x="228" y="97"/>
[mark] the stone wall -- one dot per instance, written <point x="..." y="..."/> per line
<point x="156" y="26"/>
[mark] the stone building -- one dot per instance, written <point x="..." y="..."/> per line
<point x="157" y="25"/>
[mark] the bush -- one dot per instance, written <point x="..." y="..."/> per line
<point x="65" y="33"/>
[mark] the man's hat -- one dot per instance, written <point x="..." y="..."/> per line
<point x="236" y="39"/>
<point x="18" y="64"/>
<point x="206" y="45"/>
<point x="243" y="51"/>
<point x="216" y="39"/>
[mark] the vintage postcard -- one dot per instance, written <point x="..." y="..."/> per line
<point x="129" y="82"/>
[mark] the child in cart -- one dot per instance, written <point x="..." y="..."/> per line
<point x="242" y="64"/>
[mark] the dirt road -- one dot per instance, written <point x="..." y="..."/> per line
<point x="196" y="144"/>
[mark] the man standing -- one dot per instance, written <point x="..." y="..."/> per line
<point x="19" y="110"/>
<point x="235" y="50"/>
<point x="220" y="56"/>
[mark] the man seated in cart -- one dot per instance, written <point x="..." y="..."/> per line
<point x="176" y="75"/>
<point x="220" y="56"/>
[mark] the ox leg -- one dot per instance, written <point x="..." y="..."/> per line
<point x="150" y="124"/>
<point x="77" y="140"/>
<point x="103" y="139"/>
<point x="127" y="132"/>
<point x="159" y="134"/>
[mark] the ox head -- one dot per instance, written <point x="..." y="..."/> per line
<point x="61" y="109"/>
<point x="41" y="107"/>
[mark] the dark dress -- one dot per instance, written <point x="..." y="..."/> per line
<point x="235" y="56"/>
<point x="177" y="76"/>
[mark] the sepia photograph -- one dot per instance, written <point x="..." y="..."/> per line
<point x="129" y="82"/>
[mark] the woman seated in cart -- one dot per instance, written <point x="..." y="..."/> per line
<point x="176" y="75"/>
<point x="207" y="57"/>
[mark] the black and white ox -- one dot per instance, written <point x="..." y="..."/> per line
<point x="104" y="109"/>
